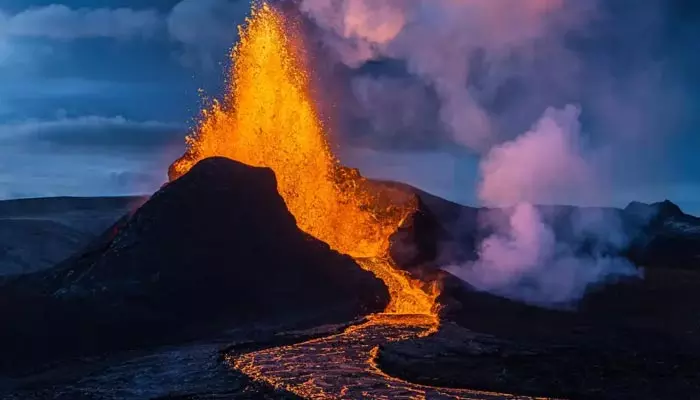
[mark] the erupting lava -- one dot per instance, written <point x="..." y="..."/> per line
<point x="269" y="119"/>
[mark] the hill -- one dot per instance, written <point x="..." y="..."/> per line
<point x="214" y="249"/>
<point x="38" y="233"/>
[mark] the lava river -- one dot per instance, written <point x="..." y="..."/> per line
<point x="343" y="366"/>
<point x="269" y="119"/>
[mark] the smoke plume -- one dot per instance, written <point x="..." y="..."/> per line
<point x="522" y="259"/>
<point x="468" y="52"/>
<point x="500" y="68"/>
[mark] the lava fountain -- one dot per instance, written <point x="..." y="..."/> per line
<point x="268" y="119"/>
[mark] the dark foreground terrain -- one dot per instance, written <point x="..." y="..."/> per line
<point x="170" y="301"/>
<point x="632" y="340"/>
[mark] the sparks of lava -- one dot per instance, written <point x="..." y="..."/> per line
<point x="269" y="119"/>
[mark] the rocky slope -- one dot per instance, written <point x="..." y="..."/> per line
<point x="658" y="235"/>
<point x="215" y="248"/>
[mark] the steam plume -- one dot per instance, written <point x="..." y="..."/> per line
<point x="495" y="66"/>
<point x="523" y="259"/>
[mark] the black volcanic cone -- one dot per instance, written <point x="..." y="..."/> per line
<point x="215" y="247"/>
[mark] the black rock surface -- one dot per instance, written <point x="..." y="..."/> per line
<point x="213" y="248"/>
<point x="638" y="339"/>
<point x="665" y="236"/>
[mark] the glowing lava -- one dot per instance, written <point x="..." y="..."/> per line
<point x="269" y="119"/>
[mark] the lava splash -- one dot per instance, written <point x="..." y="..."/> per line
<point x="268" y="119"/>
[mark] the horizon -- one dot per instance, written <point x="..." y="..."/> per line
<point x="141" y="196"/>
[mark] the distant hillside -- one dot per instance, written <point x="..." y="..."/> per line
<point x="38" y="233"/>
<point x="650" y="235"/>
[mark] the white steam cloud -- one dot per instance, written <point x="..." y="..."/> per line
<point x="542" y="165"/>
<point x="523" y="259"/>
<point x="495" y="65"/>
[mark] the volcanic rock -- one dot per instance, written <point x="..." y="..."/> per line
<point x="664" y="236"/>
<point x="213" y="248"/>
<point x="638" y="339"/>
<point x="648" y="213"/>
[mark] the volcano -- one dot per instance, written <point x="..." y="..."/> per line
<point x="212" y="249"/>
<point x="261" y="230"/>
<point x="217" y="249"/>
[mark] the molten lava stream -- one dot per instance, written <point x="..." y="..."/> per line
<point x="268" y="119"/>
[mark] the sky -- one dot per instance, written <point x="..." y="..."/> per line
<point x="97" y="96"/>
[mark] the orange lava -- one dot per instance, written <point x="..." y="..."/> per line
<point x="268" y="119"/>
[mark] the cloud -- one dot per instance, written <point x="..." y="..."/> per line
<point x="394" y="107"/>
<point x="474" y="54"/>
<point x="44" y="174"/>
<point x="203" y="30"/>
<point x="525" y="261"/>
<point x="495" y="65"/>
<point x="107" y="134"/>
<point x="60" y="22"/>
<point x="546" y="164"/>
<point x="206" y="29"/>
<point x="86" y="156"/>
<point x="523" y="258"/>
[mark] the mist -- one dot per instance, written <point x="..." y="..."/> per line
<point x="468" y="53"/>
<point x="522" y="258"/>
<point x="515" y="85"/>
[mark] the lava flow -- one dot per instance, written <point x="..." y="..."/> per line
<point x="268" y="119"/>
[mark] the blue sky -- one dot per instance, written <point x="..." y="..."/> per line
<point x="96" y="97"/>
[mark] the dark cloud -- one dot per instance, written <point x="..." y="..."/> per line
<point x="613" y="58"/>
<point x="203" y="29"/>
<point x="397" y="113"/>
<point x="58" y="21"/>
<point x="206" y="29"/>
<point x="94" y="133"/>
<point x="86" y="156"/>
<point x="41" y="174"/>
